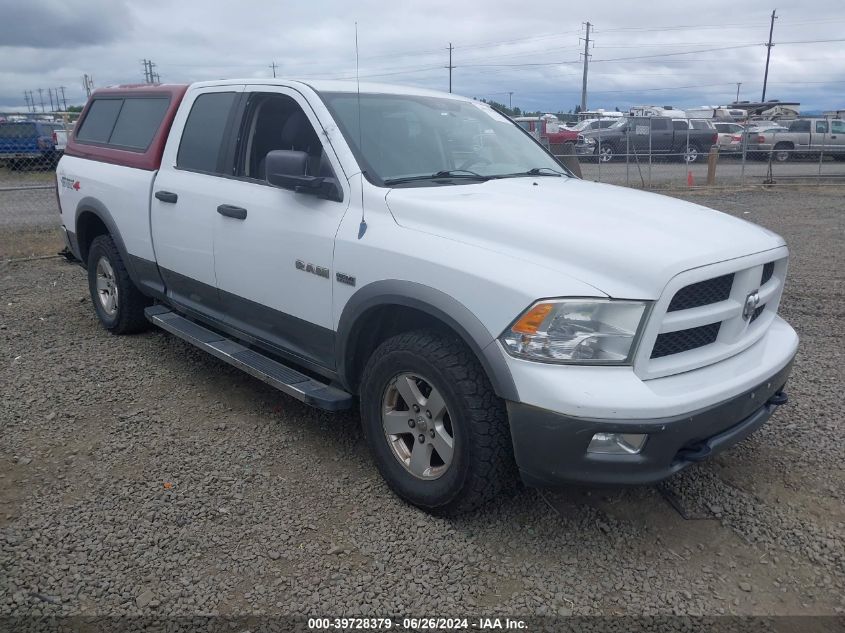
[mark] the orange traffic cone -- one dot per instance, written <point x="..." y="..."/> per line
<point x="690" y="179"/>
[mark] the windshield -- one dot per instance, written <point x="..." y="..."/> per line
<point x="409" y="136"/>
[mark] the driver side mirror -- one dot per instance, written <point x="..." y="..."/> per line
<point x="288" y="169"/>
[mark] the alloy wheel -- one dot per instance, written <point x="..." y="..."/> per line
<point x="417" y="426"/>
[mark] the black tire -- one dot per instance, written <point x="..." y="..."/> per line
<point x="482" y="465"/>
<point x="782" y="152"/>
<point x="128" y="317"/>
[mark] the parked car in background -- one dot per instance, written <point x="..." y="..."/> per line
<point x="28" y="144"/>
<point x="729" y="140"/>
<point x="594" y="124"/>
<point x="685" y="139"/>
<point x="755" y="137"/>
<point x="805" y="137"/>
<point x="560" y="139"/>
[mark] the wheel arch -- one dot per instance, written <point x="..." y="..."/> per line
<point x="386" y="308"/>
<point x="92" y="218"/>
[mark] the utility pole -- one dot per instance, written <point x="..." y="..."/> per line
<point x="41" y="98"/>
<point x="146" y="71"/>
<point x="450" y="67"/>
<point x="26" y="98"/>
<point x="586" y="68"/>
<point x="87" y="83"/>
<point x="64" y="101"/>
<point x="738" y="84"/>
<point x="768" y="55"/>
<point x="50" y="94"/>
<point x="510" y="101"/>
<point x="273" y="66"/>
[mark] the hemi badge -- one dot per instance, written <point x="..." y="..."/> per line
<point x="343" y="278"/>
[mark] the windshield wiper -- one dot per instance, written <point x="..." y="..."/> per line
<point x="536" y="171"/>
<point x="446" y="173"/>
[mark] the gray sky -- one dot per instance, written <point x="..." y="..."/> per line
<point x="661" y="52"/>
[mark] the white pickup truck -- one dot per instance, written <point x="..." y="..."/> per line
<point x="419" y="255"/>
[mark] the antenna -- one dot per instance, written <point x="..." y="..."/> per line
<point x="362" y="228"/>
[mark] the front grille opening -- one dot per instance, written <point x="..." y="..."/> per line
<point x="757" y="312"/>
<point x="768" y="271"/>
<point x="702" y="293"/>
<point x="684" y="340"/>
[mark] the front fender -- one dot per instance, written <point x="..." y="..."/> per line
<point x="435" y="303"/>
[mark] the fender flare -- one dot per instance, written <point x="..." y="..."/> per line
<point x="434" y="303"/>
<point x="92" y="205"/>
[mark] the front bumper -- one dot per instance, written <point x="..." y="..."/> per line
<point x="551" y="448"/>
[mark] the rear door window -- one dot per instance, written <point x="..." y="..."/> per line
<point x="201" y="146"/>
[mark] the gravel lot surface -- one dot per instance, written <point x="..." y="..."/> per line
<point x="140" y="476"/>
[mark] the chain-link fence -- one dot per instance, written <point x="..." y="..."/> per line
<point x="662" y="152"/>
<point x="646" y="152"/>
<point x="30" y="147"/>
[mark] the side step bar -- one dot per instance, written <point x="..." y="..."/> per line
<point x="280" y="376"/>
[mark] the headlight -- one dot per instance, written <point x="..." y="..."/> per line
<point x="577" y="331"/>
<point x="590" y="141"/>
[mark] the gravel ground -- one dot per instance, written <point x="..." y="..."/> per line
<point x="139" y="476"/>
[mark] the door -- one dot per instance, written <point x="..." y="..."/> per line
<point x="662" y="135"/>
<point x="820" y="137"/>
<point x="183" y="207"/>
<point x="273" y="261"/>
<point x="837" y="137"/>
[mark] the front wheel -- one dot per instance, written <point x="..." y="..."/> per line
<point x="605" y="153"/>
<point x="118" y="303"/>
<point x="437" y="432"/>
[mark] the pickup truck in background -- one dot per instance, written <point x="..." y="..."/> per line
<point x="419" y="256"/>
<point x="686" y="140"/>
<point x="29" y="144"/>
<point x="804" y="137"/>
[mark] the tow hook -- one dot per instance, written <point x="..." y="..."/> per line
<point x="780" y="398"/>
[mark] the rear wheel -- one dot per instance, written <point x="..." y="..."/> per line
<point x="118" y="303"/>
<point x="438" y="433"/>
<point x="692" y="153"/>
<point x="782" y="152"/>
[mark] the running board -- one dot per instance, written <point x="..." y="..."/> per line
<point x="282" y="377"/>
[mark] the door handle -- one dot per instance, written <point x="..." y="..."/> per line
<point x="166" y="196"/>
<point x="239" y="213"/>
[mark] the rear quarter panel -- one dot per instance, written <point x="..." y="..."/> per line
<point x="123" y="191"/>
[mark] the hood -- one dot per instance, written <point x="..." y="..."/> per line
<point x="624" y="242"/>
